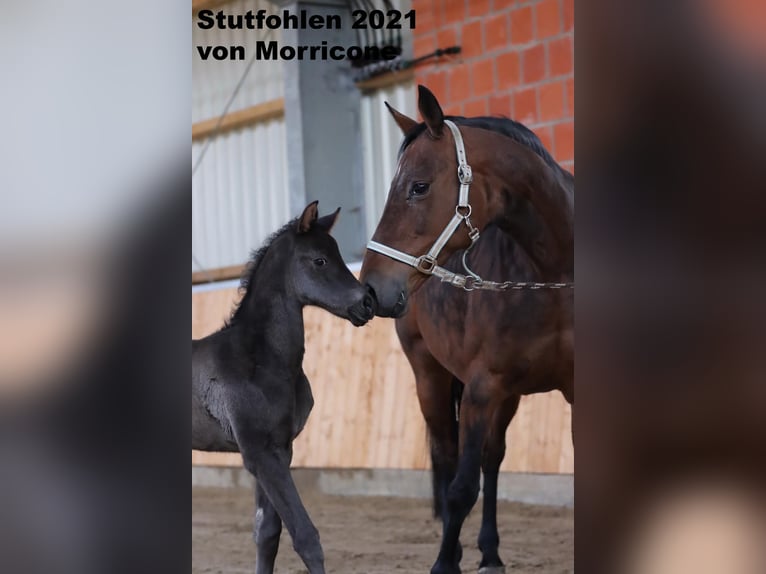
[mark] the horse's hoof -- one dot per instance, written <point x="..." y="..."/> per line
<point x="492" y="570"/>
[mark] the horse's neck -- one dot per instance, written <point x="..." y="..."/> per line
<point x="536" y="210"/>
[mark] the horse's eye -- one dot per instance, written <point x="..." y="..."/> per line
<point x="320" y="261"/>
<point x="418" y="188"/>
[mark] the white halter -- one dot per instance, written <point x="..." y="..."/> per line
<point x="427" y="263"/>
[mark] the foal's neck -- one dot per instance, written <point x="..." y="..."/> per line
<point x="271" y="316"/>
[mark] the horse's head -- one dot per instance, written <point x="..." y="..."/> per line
<point x="320" y="276"/>
<point x="421" y="203"/>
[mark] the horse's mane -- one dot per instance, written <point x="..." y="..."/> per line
<point x="251" y="268"/>
<point x="502" y="125"/>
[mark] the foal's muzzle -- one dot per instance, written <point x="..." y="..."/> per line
<point x="363" y="310"/>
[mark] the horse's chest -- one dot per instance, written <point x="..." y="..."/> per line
<point x="514" y="334"/>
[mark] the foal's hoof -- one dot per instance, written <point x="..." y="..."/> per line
<point x="492" y="570"/>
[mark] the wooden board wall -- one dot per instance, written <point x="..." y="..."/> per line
<point x="366" y="413"/>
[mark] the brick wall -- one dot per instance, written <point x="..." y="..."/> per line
<point x="517" y="61"/>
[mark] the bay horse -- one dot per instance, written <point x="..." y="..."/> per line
<point x="249" y="391"/>
<point x="475" y="354"/>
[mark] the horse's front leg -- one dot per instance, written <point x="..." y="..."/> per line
<point x="476" y="411"/>
<point x="494" y="452"/>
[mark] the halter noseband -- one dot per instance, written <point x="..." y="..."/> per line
<point x="427" y="264"/>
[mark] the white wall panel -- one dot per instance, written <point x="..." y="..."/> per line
<point x="381" y="139"/>
<point x="214" y="81"/>
<point x="239" y="194"/>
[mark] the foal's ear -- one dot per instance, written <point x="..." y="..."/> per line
<point x="327" y="222"/>
<point x="405" y="123"/>
<point x="431" y="111"/>
<point x="308" y="217"/>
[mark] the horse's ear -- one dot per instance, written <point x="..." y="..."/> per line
<point x="308" y="217"/>
<point x="327" y="222"/>
<point x="405" y="123"/>
<point x="431" y="111"/>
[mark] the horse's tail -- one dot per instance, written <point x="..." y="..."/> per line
<point x="443" y="468"/>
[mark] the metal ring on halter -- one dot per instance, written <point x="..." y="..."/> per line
<point x="425" y="264"/>
<point x="466" y="215"/>
<point x="472" y="282"/>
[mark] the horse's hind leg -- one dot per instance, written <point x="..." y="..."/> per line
<point x="268" y="527"/>
<point x="494" y="452"/>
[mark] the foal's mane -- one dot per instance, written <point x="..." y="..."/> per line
<point x="517" y="131"/>
<point x="251" y="268"/>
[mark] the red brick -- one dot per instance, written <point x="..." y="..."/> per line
<point x="548" y="18"/>
<point x="533" y="64"/>
<point x="496" y="32"/>
<point x="453" y="11"/>
<point x="459" y="83"/>
<point x="551" y="101"/>
<point x="475" y="108"/>
<point x="437" y="83"/>
<point x="453" y="110"/>
<point x="563" y="135"/>
<point x="478" y="7"/>
<point x="483" y="77"/>
<point x="525" y="106"/>
<point x="522" y="30"/>
<point x="569" y="15"/>
<point x="545" y="133"/>
<point x="446" y="37"/>
<point x="508" y="71"/>
<point x="500" y="4"/>
<point x="560" y="56"/>
<point x="426" y="15"/>
<point x="570" y="97"/>
<point x="500" y="106"/>
<point x="424" y="44"/>
<point x="472" y="39"/>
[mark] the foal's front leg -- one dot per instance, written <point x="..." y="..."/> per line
<point x="271" y="467"/>
<point x="268" y="527"/>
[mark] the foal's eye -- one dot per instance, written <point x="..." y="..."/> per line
<point x="320" y="261"/>
<point x="418" y="189"/>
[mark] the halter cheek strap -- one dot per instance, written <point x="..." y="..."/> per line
<point x="427" y="263"/>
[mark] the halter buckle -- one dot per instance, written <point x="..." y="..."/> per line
<point x="464" y="173"/>
<point x="425" y="264"/>
<point x="458" y="280"/>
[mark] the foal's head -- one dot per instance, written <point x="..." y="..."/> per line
<point x="318" y="274"/>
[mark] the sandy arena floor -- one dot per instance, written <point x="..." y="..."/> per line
<point x="368" y="535"/>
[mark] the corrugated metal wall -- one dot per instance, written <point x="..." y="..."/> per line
<point x="239" y="192"/>
<point x="381" y="138"/>
<point x="213" y="82"/>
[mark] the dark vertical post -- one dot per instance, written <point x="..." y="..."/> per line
<point x="322" y="116"/>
